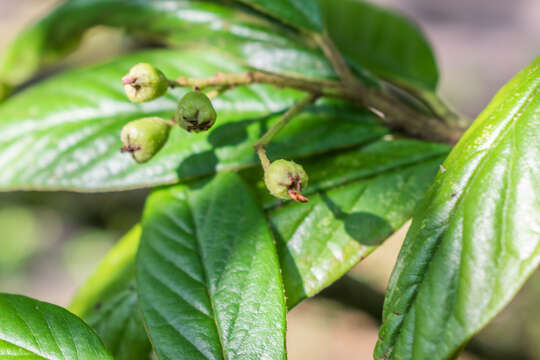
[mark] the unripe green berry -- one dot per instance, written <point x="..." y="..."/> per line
<point x="143" y="138"/>
<point x="286" y="179"/>
<point x="195" y="112"/>
<point x="144" y="82"/>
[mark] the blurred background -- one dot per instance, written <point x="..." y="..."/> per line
<point x="53" y="241"/>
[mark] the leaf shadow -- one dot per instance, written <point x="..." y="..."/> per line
<point x="366" y="228"/>
<point x="293" y="281"/>
<point x="229" y="134"/>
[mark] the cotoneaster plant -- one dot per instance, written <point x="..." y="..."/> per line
<point x="329" y="90"/>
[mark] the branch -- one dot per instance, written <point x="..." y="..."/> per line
<point x="324" y="87"/>
<point x="413" y="122"/>
<point x="430" y="100"/>
<point x="338" y="62"/>
<point x="395" y="113"/>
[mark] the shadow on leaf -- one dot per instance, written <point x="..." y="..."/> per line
<point x="366" y="228"/>
<point x="228" y="134"/>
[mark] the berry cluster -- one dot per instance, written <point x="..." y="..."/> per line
<point x="145" y="137"/>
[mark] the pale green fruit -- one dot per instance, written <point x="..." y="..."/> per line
<point x="286" y="179"/>
<point x="144" y="82"/>
<point x="143" y="138"/>
<point x="195" y="112"/>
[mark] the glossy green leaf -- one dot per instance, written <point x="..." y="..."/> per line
<point x="64" y="133"/>
<point x="108" y="302"/>
<point x="119" y="322"/>
<point x="358" y="199"/>
<point x="381" y="40"/>
<point x="476" y="237"/>
<point x="252" y="39"/>
<point x="114" y="271"/>
<point x="394" y="171"/>
<point x="299" y="13"/>
<point x="34" y="330"/>
<point x="386" y="179"/>
<point x="397" y="171"/>
<point x="208" y="275"/>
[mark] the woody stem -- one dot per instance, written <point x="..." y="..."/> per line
<point x="394" y="113"/>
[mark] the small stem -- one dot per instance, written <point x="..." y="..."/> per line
<point x="324" y="87"/>
<point x="212" y="94"/>
<point x="265" y="162"/>
<point x="171" y="122"/>
<point x="335" y="57"/>
<point x="284" y="120"/>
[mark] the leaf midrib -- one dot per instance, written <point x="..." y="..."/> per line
<point x="205" y="272"/>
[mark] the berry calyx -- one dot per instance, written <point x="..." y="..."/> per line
<point x="285" y="180"/>
<point x="195" y="112"/>
<point x="143" y="138"/>
<point x="144" y="82"/>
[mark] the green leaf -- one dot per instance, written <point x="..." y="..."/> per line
<point x="475" y="239"/>
<point x="359" y="198"/>
<point x="119" y="322"/>
<point x="397" y="171"/>
<point x="208" y="275"/>
<point x="381" y="40"/>
<point x="299" y="13"/>
<point x="337" y="169"/>
<point x="108" y="302"/>
<point x="31" y="329"/>
<point x="114" y="271"/>
<point x="64" y="133"/>
<point x="256" y="41"/>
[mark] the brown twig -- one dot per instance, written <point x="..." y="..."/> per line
<point x="392" y="111"/>
<point x="338" y="62"/>
<point x="324" y="87"/>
